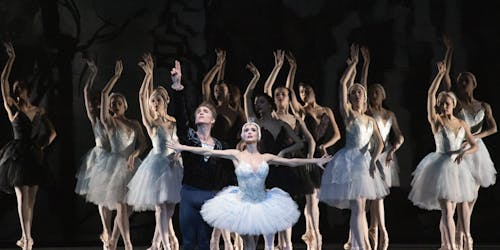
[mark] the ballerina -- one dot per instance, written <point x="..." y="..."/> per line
<point x="109" y="185"/>
<point x="442" y="179"/>
<point x="248" y="209"/>
<point x="157" y="183"/>
<point x="96" y="157"/>
<point x="21" y="159"/>
<point x="386" y="122"/>
<point x="349" y="179"/>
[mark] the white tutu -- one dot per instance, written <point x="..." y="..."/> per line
<point x="481" y="166"/>
<point x="347" y="177"/>
<point x="438" y="177"/>
<point x="157" y="180"/>
<point x="391" y="170"/>
<point x="230" y="209"/>
<point x="108" y="184"/>
<point x="89" y="161"/>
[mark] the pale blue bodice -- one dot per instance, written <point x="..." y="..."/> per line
<point x="100" y="136"/>
<point x="447" y="141"/>
<point x="252" y="184"/>
<point x="358" y="134"/>
<point x="160" y="139"/>
<point x="122" y="142"/>
<point x="475" y="121"/>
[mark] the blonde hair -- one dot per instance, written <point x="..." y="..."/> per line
<point x="120" y="95"/>
<point x="162" y="92"/>
<point x="443" y="94"/>
<point x="259" y="134"/>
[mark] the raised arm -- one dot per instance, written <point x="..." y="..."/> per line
<point x="105" y="116"/>
<point x="145" y="92"/>
<point x="345" y="107"/>
<point x="209" y="77"/>
<point x="447" y="60"/>
<point x="290" y="82"/>
<point x="336" y="132"/>
<point x="365" y="52"/>
<point x="226" y="153"/>
<point x="490" y="121"/>
<point x="247" y="97"/>
<point x="7" y="98"/>
<point x="295" y="162"/>
<point x="431" y="96"/>
<point x="222" y="70"/>
<point x="279" y="57"/>
<point x="180" y="110"/>
<point x="86" y="91"/>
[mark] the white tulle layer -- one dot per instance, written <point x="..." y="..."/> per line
<point x="347" y="177"/>
<point x="481" y="166"/>
<point x="91" y="160"/>
<point x="157" y="180"/>
<point x="229" y="210"/>
<point x="438" y="177"/>
<point x="108" y="182"/>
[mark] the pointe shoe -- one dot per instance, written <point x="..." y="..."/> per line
<point x="459" y="240"/>
<point x="104" y="239"/>
<point x="128" y="246"/>
<point x="111" y="245"/>
<point x="27" y="244"/>
<point x="308" y="238"/>
<point x="319" y="242"/>
<point x="347" y="245"/>
<point x="174" y="243"/>
<point x="384" y="241"/>
<point x="155" y="246"/>
<point x="20" y="242"/>
<point x="373" y="237"/>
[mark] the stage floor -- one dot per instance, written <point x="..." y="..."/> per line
<point x="298" y="246"/>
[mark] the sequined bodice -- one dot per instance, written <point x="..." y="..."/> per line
<point x="252" y="183"/>
<point x="475" y="121"/>
<point x="358" y="134"/>
<point x="447" y="141"/>
<point x="122" y="141"/>
<point x="160" y="139"/>
<point x="100" y="136"/>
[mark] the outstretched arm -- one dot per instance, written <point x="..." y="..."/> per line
<point x="290" y="82"/>
<point x="279" y="57"/>
<point x="87" y="88"/>
<point x="295" y="162"/>
<point x="365" y="52"/>
<point x="431" y="96"/>
<point x="209" y="77"/>
<point x="247" y="97"/>
<point x="226" y="153"/>
<point x="105" y="116"/>
<point x="7" y="99"/>
<point x="345" y="107"/>
<point x="145" y="91"/>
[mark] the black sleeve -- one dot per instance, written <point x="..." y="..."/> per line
<point x="180" y="112"/>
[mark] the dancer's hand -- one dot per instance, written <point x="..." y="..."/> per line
<point x="459" y="157"/>
<point x="279" y="57"/>
<point x="365" y="52"/>
<point x="373" y="166"/>
<point x="447" y="41"/>
<point x="91" y="65"/>
<point x="291" y="59"/>
<point x="441" y="67"/>
<point x="175" y="146"/>
<point x="221" y="57"/>
<point x="176" y="75"/>
<point x="118" y="68"/>
<point x="323" y="160"/>
<point x="390" y="156"/>
<point x="10" y="49"/>
<point x="322" y="149"/>
<point x="253" y="69"/>
<point x="131" y="163"/>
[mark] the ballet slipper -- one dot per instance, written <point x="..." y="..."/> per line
<point x="27" y="244"/>
<point x="20" y="242"/>
<point x="111" y="245"/>
<point x="128" y="246"/>
<point x="174" y="243"/>
<point x="373" y="237"/>
<point x="384" y="241"/>
<point x="104" y="239"/>
<point x="347" y="245"/>
<point x="459" y="240"/>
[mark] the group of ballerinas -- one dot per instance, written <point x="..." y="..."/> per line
<point x="275" y="128"/>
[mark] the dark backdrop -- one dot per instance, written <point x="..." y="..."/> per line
<point x="51" y="37"/>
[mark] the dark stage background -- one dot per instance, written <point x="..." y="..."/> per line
<point x="51" y="37"/>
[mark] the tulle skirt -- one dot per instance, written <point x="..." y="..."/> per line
<point x="108" y="182"/>
<point x="90" y="160"/>
<point x="20" y="165"/>
<point x="158" y="180"/>
<point x="481" y="166"/>
<point x="438" y="177"/>
<point x="391" y="170"/>
<point x="230" y="210"/>
<point x="347" y="177"/>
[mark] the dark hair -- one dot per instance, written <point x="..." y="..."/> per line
<point x="210" y="106"/>
<point x="18" y="87"/>
<point x="269" y="99"/>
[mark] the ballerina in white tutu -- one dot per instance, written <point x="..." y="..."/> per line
<point x="475" y="113"/>
<point x="442" y="179"/>
<point x="109" y="184"/>
<point x="157" y="183"/>
<point x="349" y="178"/>
<point x="249" y="209"/>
